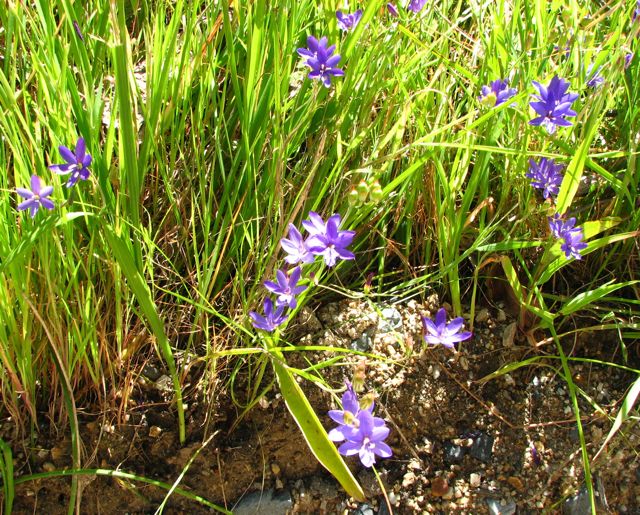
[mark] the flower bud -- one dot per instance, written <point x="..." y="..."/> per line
<point x="363" y="191"/>
<point x="489" y="100"/>
<point x="367" y="400"/>
<point x="353" y="197"/>
<point x="349" y="418"/>
<point x="376" y="192"/>
<point x="359" y="376"/>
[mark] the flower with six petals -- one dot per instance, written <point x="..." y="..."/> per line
<point x="553" y="104"/>
<point x="77" y="163"/>
<point x="286" y="288"/>
<point x="271" y="318"/>
<point x="321" y="59"/>
<point x="545" y="176"/>
<point x="327" y="240"/>
<point x="36" y="197"/>
<point x="347" y="22"/>
<point x="443" y="333"/>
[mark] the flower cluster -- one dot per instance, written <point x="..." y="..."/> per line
<point x="77" y="164"/>
<point x="572" y="236"/>
<point x="321" y="59"/>
<point x="546" y="176"/>
<point x="362" y="433"/>
<point x="439" y="332"/>
<point x="324" y="239"/>
<point x="496" y="93"/>
<point x="553" y="104"/>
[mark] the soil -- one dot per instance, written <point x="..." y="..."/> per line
<point x="462" y="445"/>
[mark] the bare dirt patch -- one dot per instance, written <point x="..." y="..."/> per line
<point x="460" y="445"/>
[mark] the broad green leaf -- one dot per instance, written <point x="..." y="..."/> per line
<point x="323" y="449"/>
<point x="592" y="228"/>
<point x="586" y="298"/>
<point x="592" y="245"/>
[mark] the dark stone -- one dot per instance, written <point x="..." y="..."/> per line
<point x="453" y="453"/>
<point x="482" y="447"/>
<point x="362" y="344"/>
<point x="264" y="503"/>
<point x="574" y="436"/>
<point x="150" y="372"/>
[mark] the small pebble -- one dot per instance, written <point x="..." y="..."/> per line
<point x="390" y="320"/>
<point x="154" y="431"/>
<point x="474" y="480"/>
<point x="453" y="453"/>
<point x="509" y="334"/>
<point x="482" y="448"/>
<point x="439" y="487"/>
<point x="500" y="507"/>
<point x="482" y="315"/>
<point x="47" y="466"/>
<point x="516" y="483"/>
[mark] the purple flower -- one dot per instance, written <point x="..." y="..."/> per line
<point x="36" y="197"/>
<point x="496" y="93"/>
<point x="594" y="80"/>
<point x="315" y="224"/>
<point x="327" y="240"/>
<point x="627" y="60"/>
<point x="416" y="6"/>
<point x="636" y="12"/>
<point x="553" y="104"/>
<point x="286" y="288"/>
<point x="393" y="10"/>
<point x="346" y="22"/>
<point x="321" y="60"/>
<point x="545" y="176"/>
<point x="559" y="226"/>
<point x="442" y="333"/>
<point x="270" y="320"/>
<point x="571" y="235"/>
<point x="573" y="243"/>
<point x="77" y="163"/>
<point x="346" y="417"/>
<point x="367" y="440"/>
<point x="295" y="247"/>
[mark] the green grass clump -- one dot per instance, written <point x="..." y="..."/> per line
<point x="208" y="140"/>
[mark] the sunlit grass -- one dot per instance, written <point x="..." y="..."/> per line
<point x="208" y="139"/>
